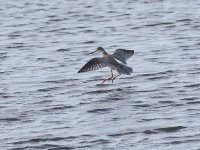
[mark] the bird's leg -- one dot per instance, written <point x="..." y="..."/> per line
<point x="115" y="77"/>
<point x="108" y="78"/>
<point x="111" y="75"/>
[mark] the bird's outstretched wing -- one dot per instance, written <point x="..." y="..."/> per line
<point x="94" y="64"/>
<point x="123" y="55"/>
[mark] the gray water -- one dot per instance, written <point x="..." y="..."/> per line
<point x="45" y="104"/>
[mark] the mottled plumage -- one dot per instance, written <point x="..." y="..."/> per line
<point x="123" y="55"/>
<point x="108" y="60"/>
<point x="94" y="64"/>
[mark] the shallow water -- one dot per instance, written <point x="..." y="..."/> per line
<point x="45" y="104"/>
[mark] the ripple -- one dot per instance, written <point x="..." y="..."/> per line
<point x="89" y="42"/>
<point x="184" y="20"/>
<point x="15" y="46"/>
<point x="122" y="133"/>
<point x="150" y="132"/>
<point x="57" y="108"/>
<point x="41" y="59"/>
<point x="44" y="139"/>
<point x="60" y="81"/>
<point x="158" y="78"/>
<point x="166" y="102"/>
<point x="193" y="102"/>
<point x="167" y="72"/>
<point x="142" y="105"/>
<point x="159" y="24"/>
<point x="192" y="85"/>
<point x="101" y="141"/>
<point x="170" y="129"/>
<point x="48" y="89"/>
<point x="99" y="92"/>
<point x="88" y="31"/>
<point x="190" y="98"/>
<point x="183" y="141"/>
<point x="99" y="110"/>
<point x="63" y="50"/>
<point x="43" y="47"/>
<point x="9" y="119"/>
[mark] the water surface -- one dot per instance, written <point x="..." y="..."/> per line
<point x="45" y="104"/>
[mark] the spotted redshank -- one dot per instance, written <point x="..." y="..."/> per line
<point x="110" y="61"/>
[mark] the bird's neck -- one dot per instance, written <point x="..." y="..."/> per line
<point x="104" y="53"/>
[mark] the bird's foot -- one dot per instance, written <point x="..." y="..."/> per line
<point x="104" y="80"/>
<point x="113" y="79"/>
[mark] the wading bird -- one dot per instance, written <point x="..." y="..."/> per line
<point x="110" y="61"/>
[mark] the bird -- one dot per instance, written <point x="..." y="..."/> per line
<point x="110" y="60"/>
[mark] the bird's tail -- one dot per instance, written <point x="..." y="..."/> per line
<point x="124" y="69"/>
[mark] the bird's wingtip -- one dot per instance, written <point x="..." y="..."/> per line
<point x="81" y="71"/>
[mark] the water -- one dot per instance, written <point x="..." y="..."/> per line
<point x="45" y="104"/>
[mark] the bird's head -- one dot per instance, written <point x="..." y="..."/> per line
<point x="100" y="50"/>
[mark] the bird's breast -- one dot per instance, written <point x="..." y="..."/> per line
<point x="113" y="64"/>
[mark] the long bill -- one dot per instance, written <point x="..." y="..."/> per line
<point x="92" y="52"/>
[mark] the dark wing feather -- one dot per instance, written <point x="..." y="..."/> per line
<point x="123" y="55"/>
<point x="94" y="64"/>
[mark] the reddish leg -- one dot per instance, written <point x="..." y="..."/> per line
<point x="115" y="77"/>
<point x="108" y="78"/>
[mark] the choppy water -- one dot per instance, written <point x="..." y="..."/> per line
<point x="45" y="104"/>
